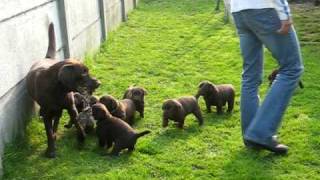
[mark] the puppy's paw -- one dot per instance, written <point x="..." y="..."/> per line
<point x="68" y="126"/>
<point x="81" y="137"/>
<point x="50" y="153"/>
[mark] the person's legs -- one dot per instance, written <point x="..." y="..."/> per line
<point x="285" y="49"/>
<point x="252" y="53"/>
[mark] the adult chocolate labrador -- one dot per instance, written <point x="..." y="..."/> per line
<point x="51" y="84"/>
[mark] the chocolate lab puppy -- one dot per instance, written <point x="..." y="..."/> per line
<point x="217" y="95"/>
<point x="84" y="110"/>
<point x="111" y="130"/>
<point x="136" y="94"/>
<point x="51" y="84"/>
<point x="178" y="109"/>
<point x="123" y="109"/>
<point x="273" y="76"/>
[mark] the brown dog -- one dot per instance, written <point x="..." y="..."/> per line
<point x="136" y="94"/>
<point x="51" y="84"/>
<point x="273" y="76"/>
<point x="178" y="109"/>
<point x="123" y="109"/>
<point x="84" y="109"/>
<point x="111" y="130"/>
<point x="217" y="95"/>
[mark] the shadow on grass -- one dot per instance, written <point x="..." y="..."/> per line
<point x="71" y="160"/>
<point x="251" y="164"/>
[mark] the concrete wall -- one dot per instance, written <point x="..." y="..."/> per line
<point x="113" y="13"/>
<point x="80" y="26"/>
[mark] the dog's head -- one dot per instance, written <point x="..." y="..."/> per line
<point x="172" y="108"/>
<point x="110" y="102"/>
<point x="206" y="88"/>
<point x="86" y="119"/>
<point x="93" y="100"/>
<point x="100" y="112"/>
<point x="79" y="101"/>
<point x="75" y="77"/>
<point x="135" y="94"/>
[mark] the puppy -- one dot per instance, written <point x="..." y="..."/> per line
<point x="51" y="83"/>
<point x="123" y="109"/>
<point x="111" y="130"/>
<point x="178" y="109"/>
<point x="217" y="95"/>
<point x="136" y="94"/>
<point x="83" y="107"/>
<point x="273" y="76"/>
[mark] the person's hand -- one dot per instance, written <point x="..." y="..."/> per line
<point x="285" y="26"/>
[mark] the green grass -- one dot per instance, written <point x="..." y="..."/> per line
<point x="168" y="47"/>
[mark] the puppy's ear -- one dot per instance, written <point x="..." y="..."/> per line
<point x="115" y="104"/>
<point x="99" y="112"/>
<point x="178" y="107"/>
<point x="168" y="104"/>
<point x="127" y="94"/>
<point x="93" y="100"/>
<point x="145" y="92"/>
<point x="213" y="88"/>
<point x="202" y="83"/>
<point x="67" y="75"/>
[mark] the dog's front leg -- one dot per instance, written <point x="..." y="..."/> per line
<point x="180" y="123"/>
<point x="219" y="109"/>
<point x="230" y="105"/>
<point x="165" y="121"/>
<point x="141" y="110"/>
<point x="301" y="84"/>
<point x="198" y="115"/>
<point x="208" y="105"/>
<point x="56" y="120"/>
<point x="116" y="149"/>
<point x="47" y="119"/>
<point x="72" y="111"/>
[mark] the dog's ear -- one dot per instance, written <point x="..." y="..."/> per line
<point x="99" y="111"/>
<point x="145" y="92"/>
<point x="115" y="104"/>
<point x="67" y="75"/>
<point x="178" y="107"/>
<point x="202" y="83"/>
<point x="127" y="94"/>
<point x="93" y="100"/>
<point x="167" y="105"/>
<point x="214" y="88"/>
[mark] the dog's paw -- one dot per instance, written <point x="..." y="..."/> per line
<point x="68" y="126"/>
<point x="50" y="154"/>
<point x="81" y="137"/>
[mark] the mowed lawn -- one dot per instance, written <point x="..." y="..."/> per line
<point x="169" y="47"/>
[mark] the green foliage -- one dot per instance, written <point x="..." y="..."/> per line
<point x="168" y="47"/>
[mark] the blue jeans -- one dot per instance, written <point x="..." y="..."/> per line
<point x="257" y="28"/>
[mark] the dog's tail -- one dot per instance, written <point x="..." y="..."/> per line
<point x="142" y="133"/>
<point x="51" y="52"/>
<point x="301" y="84"/>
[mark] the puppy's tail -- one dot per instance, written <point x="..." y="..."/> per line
<point x="51" y="52"/>
<point x="142" y="133"/>
<point x="301" y="84"/>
